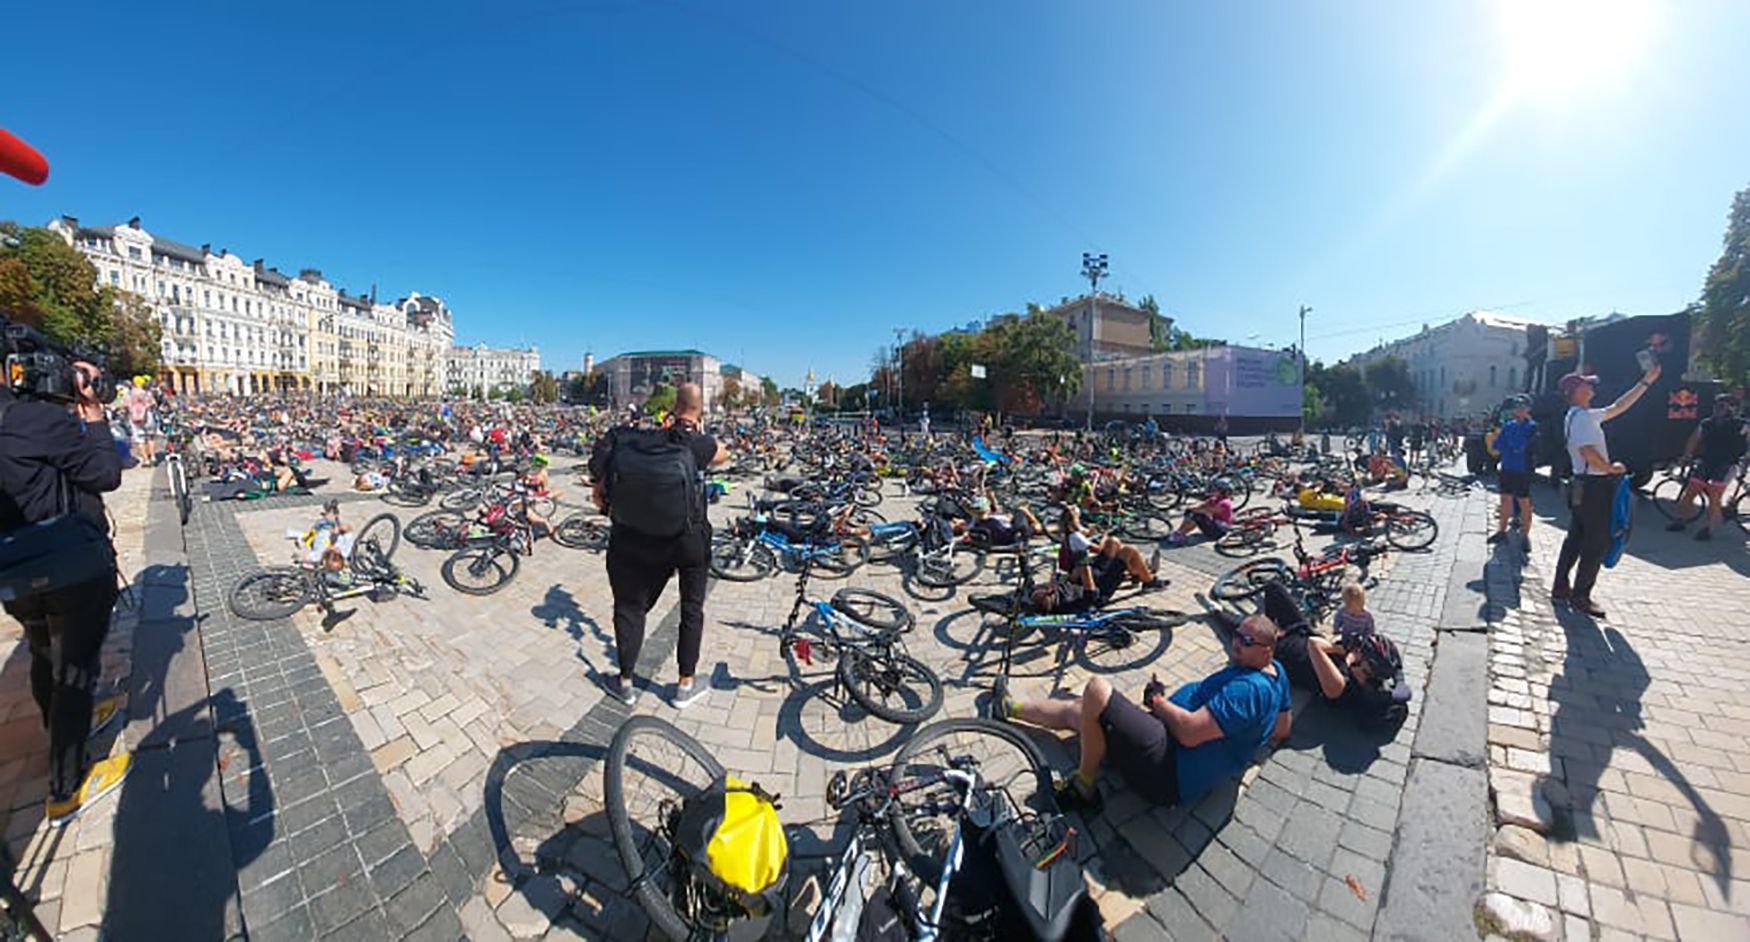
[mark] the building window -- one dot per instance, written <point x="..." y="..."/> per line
<point x="1193" y="374"/>
<point x="134" y="252"/>
<point x="1491" y="376"/>
<point x="1166" y="376"/>
<point x="1513" y="377"/>
<point x="115" y="277"/>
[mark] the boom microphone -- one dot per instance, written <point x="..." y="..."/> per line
<point x="22" y="160"/>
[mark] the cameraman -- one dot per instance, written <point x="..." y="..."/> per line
<point x="53" y="461"/>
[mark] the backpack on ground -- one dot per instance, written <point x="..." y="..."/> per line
<point x="734" y="842"/>
<point x="653" y="484"/>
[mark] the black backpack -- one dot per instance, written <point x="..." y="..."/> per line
<point x="653" y="483"/>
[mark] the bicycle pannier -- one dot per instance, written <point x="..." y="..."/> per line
<point x="732" y="836"/>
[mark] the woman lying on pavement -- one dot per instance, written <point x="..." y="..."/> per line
<point x="1172" y="750"/>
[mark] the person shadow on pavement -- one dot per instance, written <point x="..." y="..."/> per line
<point x="1598" y="709"/>
<point x="179" y="841"/>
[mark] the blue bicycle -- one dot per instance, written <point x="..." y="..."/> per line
<point x="1109" y="638"/>
<point x="755" y="547"/>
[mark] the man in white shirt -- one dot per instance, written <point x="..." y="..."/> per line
<point x="1595" y="484"/>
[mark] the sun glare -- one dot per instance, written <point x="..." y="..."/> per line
<point x="1556" y="49"/>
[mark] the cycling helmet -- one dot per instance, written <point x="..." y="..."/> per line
<point x="1381" y="655"/>
<point x="543" y="460"/>
<point x="1077" y="470"/>
<point x="1222" y="486"/>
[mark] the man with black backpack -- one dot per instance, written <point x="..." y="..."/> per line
<point x="649" y="482"/>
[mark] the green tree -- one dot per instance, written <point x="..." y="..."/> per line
<point x="1035" y="360"/>
<point x="133" y="337"/>
<point x="661" y="400"/>
<point x="1390" y="384"/>
<point x="514" y="394"/>
<point x="1722" y="318"/>
<point x="768" y="391"/>
<point x="544" y="387"/>
<point x="1342" y="395"/>
<point x="48" y="284"/>
<point x="1312" y="407"/>
<point x="1158" y="332"/>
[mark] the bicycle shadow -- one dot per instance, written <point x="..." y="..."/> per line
<point x="835" y="729"/>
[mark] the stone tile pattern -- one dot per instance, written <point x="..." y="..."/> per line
<point x="328" y="855"/>
<point x="1618" y="762"/>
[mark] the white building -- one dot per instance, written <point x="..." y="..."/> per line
<point x="482" y="368"/>
<point x="1463" y="367"/>
<point x="244" y="327"/>
<point x="1253" y="389"/>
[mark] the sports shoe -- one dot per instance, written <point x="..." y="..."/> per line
<point x="999" y="705"/>
<point x="1497" y="537"/>
<point x="1677" y="526"/>
<point x="1154" y="562"/>
<point x="622" y="689"/>
<point x="1559" y="594"/>
<point x="687" y="694"/>
<point x="1072" y="795"/>
<point x="1704" y="534"/>
<point x="105" y="713"/>
<point x="103" y="777"/>
<point x="1587" y="606"/>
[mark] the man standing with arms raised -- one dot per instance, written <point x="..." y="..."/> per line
<point x="1593" y="488"/>
<point x="649" y="482"/>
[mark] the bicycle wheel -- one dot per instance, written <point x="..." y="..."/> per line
<point x="461" y="498"/>
<point x="946" y="569"/>
<point x="1411" y="529"/>
<point x="652" y="771"/>
<point x="439" y="529"/>
<point x="1666" y="497"/>
<point x="871" y="608"/>
<point x="179" y="490"/>
<point x="867" y="495"/>
<point x="893" y="686"/>
<point x="578" y="531"/>
<point x="742" y="560"/>
<point x="1145" y="525"/>
<point x="1248" y="579"/>
<point x="1129" y="640"/>
<point x="270" y="593"/>
<point x="1006" y="761"/>
<point x="383" y="531"/>
<point x="843" y="558"/>
<point x="401" y="494"/>
<point x="891" y="548"/>
<point x="481" y="570"/>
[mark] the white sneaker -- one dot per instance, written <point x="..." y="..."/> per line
<point x="622" y="689"/>
<point x="685" y="695"/>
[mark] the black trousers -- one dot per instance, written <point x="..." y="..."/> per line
<point x="1588" y="537"/>
<point x="65" y="631"/>
<point x="639" y="568"/>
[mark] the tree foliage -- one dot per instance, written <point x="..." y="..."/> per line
<point x="1341" y="396"/>
<point x="544" y="387"/>
<point x="768" y="391"/>
<point x="1722" y="318"/>
<point x="661" y="400"/>
<point x="46" y="283"/>
<point x="1390" y="383"/>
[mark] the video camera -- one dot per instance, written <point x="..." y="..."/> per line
<point x="40" y="368"/>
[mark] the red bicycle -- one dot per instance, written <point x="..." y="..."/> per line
<point x="1317" y="581"/>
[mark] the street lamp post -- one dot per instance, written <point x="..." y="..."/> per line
<point x="1094" y="267"/>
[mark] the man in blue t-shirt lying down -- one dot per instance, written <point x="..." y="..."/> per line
<point x="1173" y="750"/>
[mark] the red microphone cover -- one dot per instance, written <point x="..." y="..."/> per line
<point x="21" y="160"/>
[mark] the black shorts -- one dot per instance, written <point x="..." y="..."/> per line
<point x="1207" y="524"/>
<point x="1291" y="652"/>
<point x="1516" y="483"/>
<point x="1140" y="748"/>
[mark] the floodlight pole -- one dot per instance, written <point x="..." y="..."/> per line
<point x="1304" y="311"/>
<point x="1094" y="267"/>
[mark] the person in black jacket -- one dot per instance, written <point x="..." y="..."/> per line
<point x="54" y="460"/>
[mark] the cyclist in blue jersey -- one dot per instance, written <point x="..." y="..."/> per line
<point x="1513" y="443"/>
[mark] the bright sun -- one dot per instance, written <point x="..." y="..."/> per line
<point x="1558" y="48"/>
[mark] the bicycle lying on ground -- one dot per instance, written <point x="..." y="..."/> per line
<point x="862" y="629"/>
<point x="280" y="591"/>
<point x="1316" y="580"/>
<point x="1107" y="636"/>
<point x="960" y="838"/>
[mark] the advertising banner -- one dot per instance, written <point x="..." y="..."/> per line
<point x="1243" y="381"/>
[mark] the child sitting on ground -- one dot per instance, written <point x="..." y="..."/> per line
<point x="1353" y="621"/>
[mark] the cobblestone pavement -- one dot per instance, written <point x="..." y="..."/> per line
<point x="66" y="870"/>
<point x="1619" y="765"/>
<point x="431" y="768"/>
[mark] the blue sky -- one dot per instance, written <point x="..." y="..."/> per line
<point x="784" y="183"/>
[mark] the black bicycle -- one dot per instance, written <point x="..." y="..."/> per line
<point x="962" y="797"/>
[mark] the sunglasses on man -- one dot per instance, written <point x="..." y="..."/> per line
<point x="1246" y="640"/>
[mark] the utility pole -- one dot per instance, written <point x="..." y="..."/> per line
<point x="899" y="356"/>
<point x="1094" y="267"/>
<point x="1304" y="311"/>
